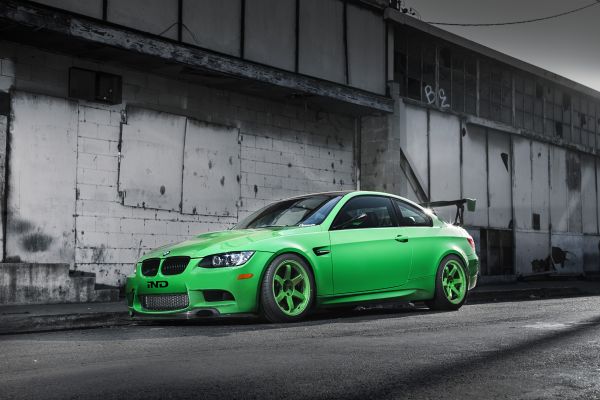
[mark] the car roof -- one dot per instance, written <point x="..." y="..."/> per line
<point x="353" y="193"/>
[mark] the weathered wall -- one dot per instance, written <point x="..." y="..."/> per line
<point x="284" y="150"/>
<point x="537" y="208"/>
<point x="41" y="185"/>
<point x="315" y="36"/>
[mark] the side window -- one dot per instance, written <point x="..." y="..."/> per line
<point x="365" y="212"/>
<point x="411" y="216"/>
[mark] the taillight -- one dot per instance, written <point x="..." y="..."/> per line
<point x="471" y="242"/>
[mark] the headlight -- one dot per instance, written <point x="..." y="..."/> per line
<point x="232" y="259"/>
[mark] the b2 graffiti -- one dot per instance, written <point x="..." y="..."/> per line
<point x="432" y="96"/>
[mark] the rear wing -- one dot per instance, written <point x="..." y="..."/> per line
<point x="460" y="207"/>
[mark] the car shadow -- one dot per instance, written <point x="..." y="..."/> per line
<point x="236" y="324"/>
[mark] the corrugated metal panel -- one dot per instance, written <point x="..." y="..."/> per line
<point x="588" y="195"/>
<point x="559" y="213"/>
<point x="152" y="159"/>
<point x="211" y="174"/>
<point x="213" y="24"/>
<point x="270" y="33"/>
<point x="41" y="192"/>
<point x="474" y="178"/>
<point x="522" y="189"/>
<point x="321" y="52"/>
<point x="499" y="179"/>
<point x="444" y="163"/>
<point x="366" y="50"/>
<point x="540" y="183"/>
<point x="158" y="17"/>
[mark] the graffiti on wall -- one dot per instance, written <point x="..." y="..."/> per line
<point x="432" y="96"/>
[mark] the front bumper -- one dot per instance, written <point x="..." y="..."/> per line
<point x="197" y="283"/>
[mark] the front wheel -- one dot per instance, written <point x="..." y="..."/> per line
<point x="287" y="290"/>
<point x="450" y="285"/>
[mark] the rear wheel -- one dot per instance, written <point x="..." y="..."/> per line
<point x="450" y="285"/>
<point x="287" y="290"/>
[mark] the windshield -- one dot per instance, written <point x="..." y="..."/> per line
<point x="305" y="211"/>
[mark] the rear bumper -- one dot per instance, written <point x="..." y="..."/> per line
<point x="197" y="283"/>
<point x="473" y="267"/>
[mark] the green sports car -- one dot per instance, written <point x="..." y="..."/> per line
<point x="318" y="250"/>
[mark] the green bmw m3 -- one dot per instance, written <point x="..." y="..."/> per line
<point x="318" y="250"/>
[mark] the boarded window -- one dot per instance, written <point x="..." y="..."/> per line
<point x="211" y="174"/>
<point x="152" y="158"/>
<point x="170" y="162"/>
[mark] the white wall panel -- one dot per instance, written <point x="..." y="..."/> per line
<point x="559" y="212"/>
<point x="540" y="183"/>
<point x="91" y="8"/>
<point x="152" y="159"/>
<point x="522" y="190"/>
<point x="321" y="47"/>
<point x="415" y="148"/>
<point x="532" y="248"/>
<point x="41" y="193"/>
<point x="366" y="50"/>
<point x="444" y="163"/>
<point x="270" y="33"/>
<point x="588" y="195"/>
<point x="474" y="178"/>
<point x="499" y="179"/>
<point x="152" y="16"/>
<point x="213" y="24"/>
<point x="211" y="173"/>
<point x="567" y="252"/>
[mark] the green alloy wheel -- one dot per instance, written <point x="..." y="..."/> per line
<point x="450" y="286"/>
<point x="287" y="290"/>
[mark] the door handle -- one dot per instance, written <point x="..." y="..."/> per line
<point x="401" y="239"/>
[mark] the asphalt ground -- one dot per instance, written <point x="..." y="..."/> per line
<point x="545" y="349"/>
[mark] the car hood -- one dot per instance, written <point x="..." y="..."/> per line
<point x="223" y="241"/>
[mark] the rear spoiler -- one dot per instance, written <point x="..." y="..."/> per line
<point x="460" y="207"/>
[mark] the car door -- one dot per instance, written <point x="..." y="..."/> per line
<point x="365" y="250"/>
<point x="416" y="226"/>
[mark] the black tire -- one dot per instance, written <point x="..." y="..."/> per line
<point x="441" y="302"/>
<point x="270" y="310"/>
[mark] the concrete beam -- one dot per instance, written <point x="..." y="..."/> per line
<point x="95" y="32"/>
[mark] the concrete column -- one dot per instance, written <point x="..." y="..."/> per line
<point x="380" y="150"/>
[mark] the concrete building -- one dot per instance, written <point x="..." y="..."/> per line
<point x="127" y="125"/>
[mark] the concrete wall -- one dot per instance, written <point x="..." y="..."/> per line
<point x="284" y="150"/>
